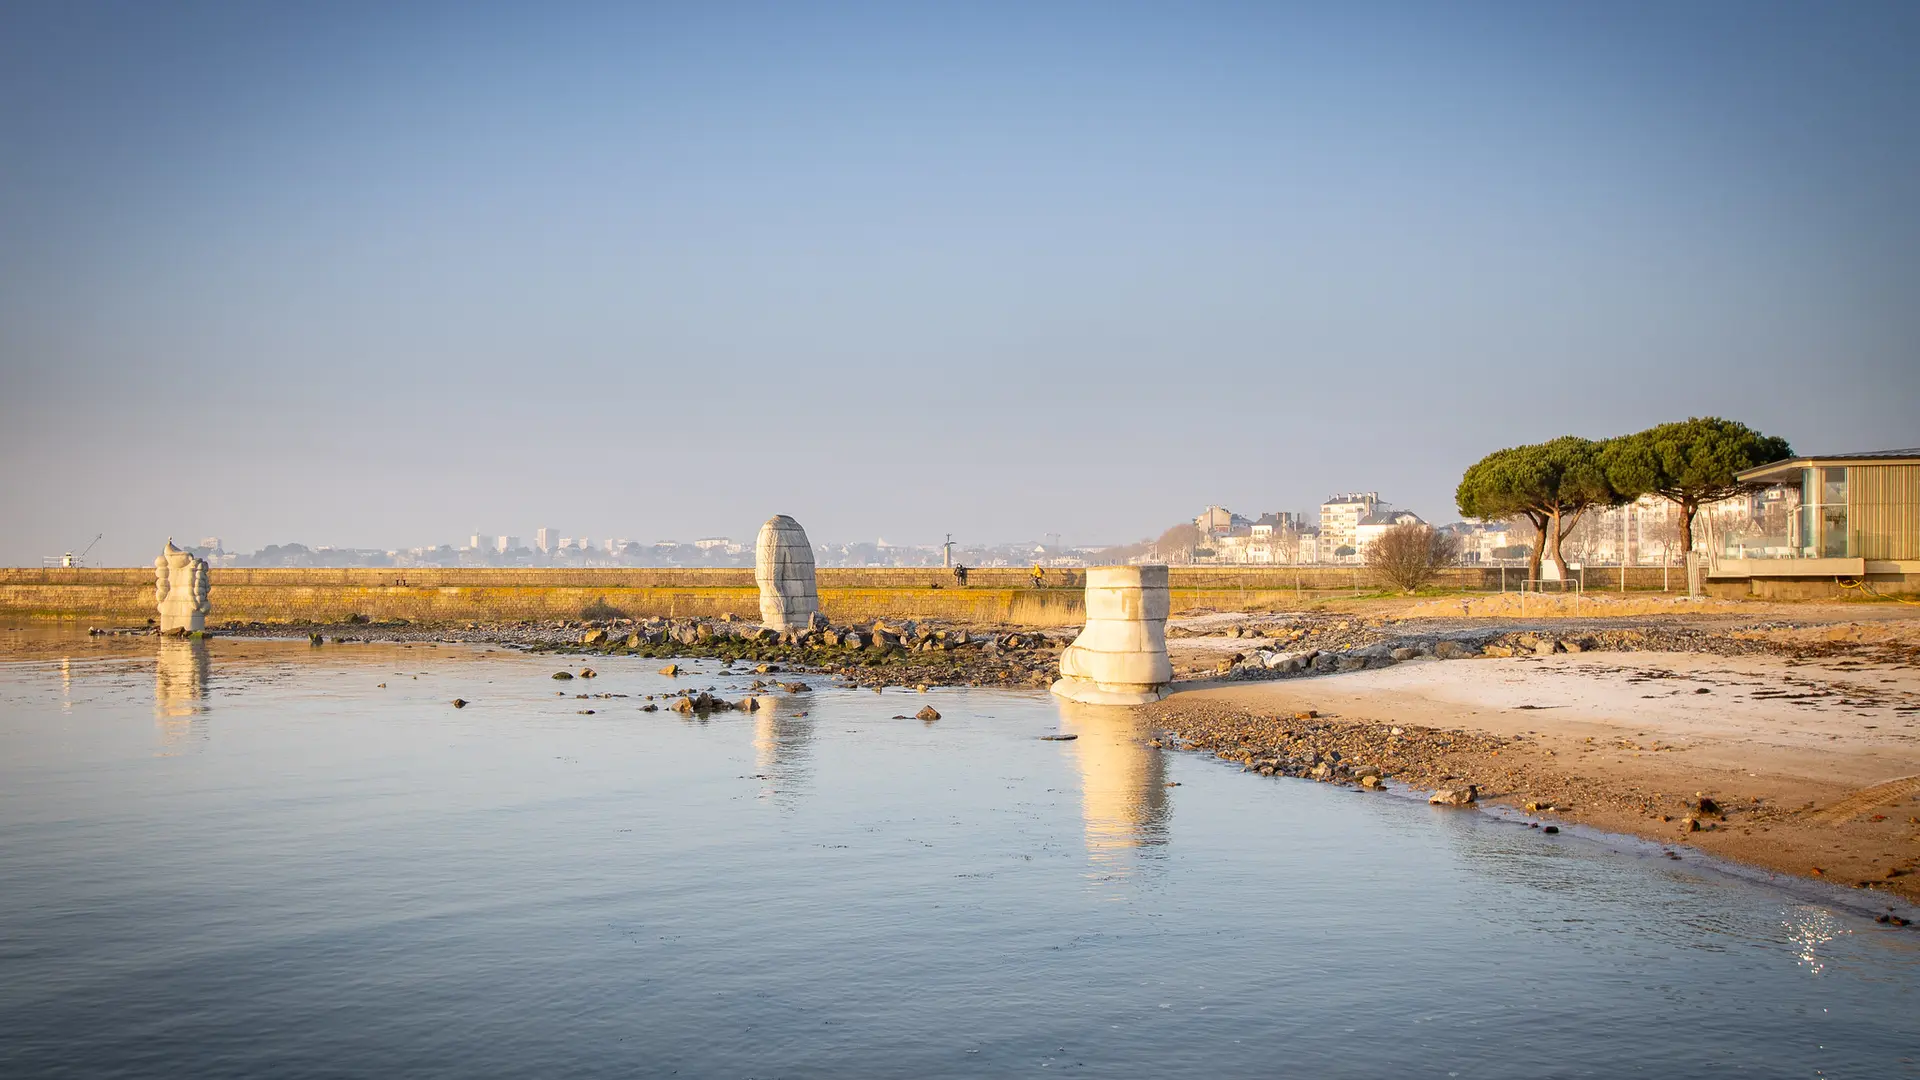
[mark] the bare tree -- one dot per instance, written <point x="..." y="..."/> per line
<point x="1121" y="554"/>
<point x="1521" y="532"/>
<point x="1177" y="544"/>
<point x="1589" y="535"/>
<point x="1406" y="556"/>
<point x="1286" y="545"/>
<point x="1665" y="534"/>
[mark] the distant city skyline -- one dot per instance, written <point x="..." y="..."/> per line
<point x="357" y="274"/>
<point x="531" y="539"/>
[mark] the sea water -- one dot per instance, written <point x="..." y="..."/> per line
<point x="259" y="858"/>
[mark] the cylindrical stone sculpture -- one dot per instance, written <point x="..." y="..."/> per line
<point x="1120" y="657"/>
<point x="783" y="568"/>
<point x="180" y="590"/>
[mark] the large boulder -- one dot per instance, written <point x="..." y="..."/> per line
<point x="1464" y="795"/>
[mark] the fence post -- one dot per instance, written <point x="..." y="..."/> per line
<point x="1626" y="521"/>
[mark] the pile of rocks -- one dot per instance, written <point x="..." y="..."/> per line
<point x="1320" y="748"/>
<point x="886" y="652"/>
<point x="1285" y="658"/>
<point x="1311" y="747"/>
<point x="1532" y="644"/>
<point x="1274" y="664"/>
<point x="704" y="703"/>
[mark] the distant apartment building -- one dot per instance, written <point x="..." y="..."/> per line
<point x="543" y="540"/>
<point x="1647" y="532"/>
<point x="478" y="542"/>
<point x="1218" y="521"/>
<point x="1277" y="522"/>
<point x="505" y="544"/>
<point x="1340" y="518"/>
<point x="1375" y="525"/>
<point x="1479" y="541"/>
<point x="1278" y="537"/>
<point x="708" y="543"/>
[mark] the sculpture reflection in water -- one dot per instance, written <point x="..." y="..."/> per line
<point x="1123" y="781"/>
<point x="782" y="750"/>
<point x="180" y="694"/>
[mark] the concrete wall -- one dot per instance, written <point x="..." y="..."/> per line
<point x="125" y="596"/>
<point x="1820" y="588"/>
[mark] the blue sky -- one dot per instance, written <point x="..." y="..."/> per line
<point x="390" y="274"/>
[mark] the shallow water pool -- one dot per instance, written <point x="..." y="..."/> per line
<point x="248" y="858"/>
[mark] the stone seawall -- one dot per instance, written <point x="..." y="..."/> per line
<point x="1007" y="596"/>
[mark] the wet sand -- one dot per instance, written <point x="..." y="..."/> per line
<point x="1815" y="763"/>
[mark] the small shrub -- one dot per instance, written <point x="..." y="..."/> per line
<point x="1406" y="556"/>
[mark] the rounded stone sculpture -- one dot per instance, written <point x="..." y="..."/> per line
<point x="783" y="568"/>
<point x="1120" y="657"/>
<point x="180" y="589"/>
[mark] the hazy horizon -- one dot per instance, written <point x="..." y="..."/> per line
<point x="375" y="275"/>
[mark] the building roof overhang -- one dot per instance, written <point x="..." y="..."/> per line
<point x="1788" y="469"/>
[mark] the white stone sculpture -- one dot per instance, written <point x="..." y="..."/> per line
<point x="180" y="588"/>
<point x="783" y="568"/>
<point x="1120" y="657"/>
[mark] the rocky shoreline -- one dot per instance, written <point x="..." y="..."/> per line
<point x="884" y="653"/>
<point x="1799" y="766"/>
<point x="1333" y="646"/>
<point x="890" y="652"/>
<point x="1464" y="768"/>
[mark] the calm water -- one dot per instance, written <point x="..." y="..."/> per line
<point x="249" y="859"/>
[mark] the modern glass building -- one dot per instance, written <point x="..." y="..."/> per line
<point x="1856" y="522"/>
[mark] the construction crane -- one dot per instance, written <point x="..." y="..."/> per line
<point x="70" y="559"/>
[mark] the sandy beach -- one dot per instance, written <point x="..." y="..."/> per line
<point x="1811" y="765"/>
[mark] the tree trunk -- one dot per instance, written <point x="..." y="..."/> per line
<point x="1687" y="510"/>
<point x="1539" y="546"/>
<point x="1560" y="535"/>
<point x="1553" y="545"/>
